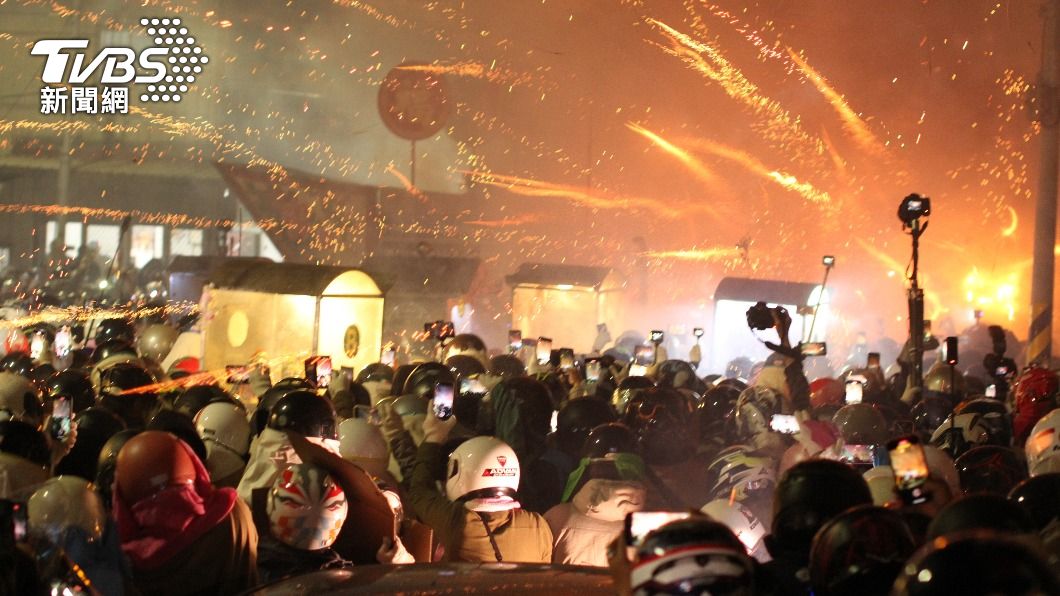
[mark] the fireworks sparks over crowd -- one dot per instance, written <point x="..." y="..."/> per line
<point x="576" y="129"/>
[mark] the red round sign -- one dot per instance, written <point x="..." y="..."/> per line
<point x="413" y="102"/>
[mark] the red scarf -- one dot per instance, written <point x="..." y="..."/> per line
<point x="157" y="528"/>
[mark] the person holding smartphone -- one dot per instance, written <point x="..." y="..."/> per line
<point x="478" y="519"/>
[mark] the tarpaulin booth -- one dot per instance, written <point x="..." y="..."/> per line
<point x="290" y="311"/>
<point x="564" y="302"/>
<point x="730" y="335"/>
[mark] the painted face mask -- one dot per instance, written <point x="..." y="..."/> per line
<point x="306" y="508"/>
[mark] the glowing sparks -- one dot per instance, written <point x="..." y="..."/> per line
<point x="1013" y="222"/>
<point x="83" y="314"/>
<point x="702" y="255"/>
<point x="691" y="162"/>
<point x="852" y="122"/>
<point x="581" y="196"/>
<point x="752" y="164"/>
<point x="507" y="222"/>
<point x="474" y="70"/>
<point x="774" y="123"/>
<point x="995" y="295"/>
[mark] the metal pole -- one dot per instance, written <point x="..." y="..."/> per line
<point x="1041" y="332"/>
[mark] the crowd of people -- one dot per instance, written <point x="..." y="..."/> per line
<point x="120" y="477"/>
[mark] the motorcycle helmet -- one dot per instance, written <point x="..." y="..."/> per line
<point x="1034" y="397"/>
<point x="961" y="432"/>
<point x="662" y="420"/>
<point x="827" y="392"/>
<point x="1043" y="442"/>
<point x="19" y="399"/>
<point x="991" y="469"/>
<point x="861" y="424"/>
<point x="114" y="329"/>
<point x="306" y="508"/>
<point x="605" y="439"/>
<point x="860" y="551"/>
<point x="738" y="474"/>
<point x="65" y="502"/>
<point x="75" y="384"/>
<point x="482" y="468"/>
<point x="260" y="419"/>
<point x="155" y="341"/>
<point x="576" y="419"/>
<point x="304" y="412"/>
<point x="743" y="523"/>
<point x="692" y="556"/>
<point x="422" y="380"/>
<point x="151" y="462"/>
<point x="1039" y="497"/>
<point x="222" y="424"/>
<point x="625" y="391"/>
<point x="808" y="495"/>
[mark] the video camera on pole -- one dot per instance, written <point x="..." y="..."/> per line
<point x="913" y="211"/>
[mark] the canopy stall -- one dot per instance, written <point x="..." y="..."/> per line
<point x="564" y="302"/>
<point x="289" y="311"/>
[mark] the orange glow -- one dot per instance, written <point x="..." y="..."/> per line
<point x="1013" y="223"/>
<point x="691" y="162"/>
<point x="784" y="179"/>
<point x="708" y="254"/>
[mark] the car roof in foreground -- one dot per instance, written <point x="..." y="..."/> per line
<point x="508" y="579"/>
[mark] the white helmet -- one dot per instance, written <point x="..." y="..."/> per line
<point x="66" y="502"/>
<point x="362" y="443"/>
<point x="740" y="520"/>
<point x="941" y="467"/>
<point x="1043" y="443"/>
<point x="482" y="468"/>
<point x="224" y="424"/>
<point x="15" y="392"/>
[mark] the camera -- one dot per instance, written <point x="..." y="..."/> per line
<point x="913" y="207"/>
<point x="760" y="317"/>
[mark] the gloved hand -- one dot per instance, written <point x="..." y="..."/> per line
<point x="436" y="430"/>
<point x="393" y="553"/>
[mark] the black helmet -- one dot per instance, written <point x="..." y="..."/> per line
<point x="75" y="384"/>
<point x="576" y="419"/>
<point x="808" y="495"/>
<point x="95" y="426"/>
<point x="692" y="556"/>
<point x="197" y="397"/>
<point x="111" y="348"/>
<point x="182" y="426"/>
<point x="612" y="437"/>
<point x="979" y="562"/>
<point x="677" y="374"/>
<point x="507" y="366"/>
<point x="108" y="460"/>
<point x="625" y="391"/>
<point x="304" y="412"/>
<point x="423" y="379"/>
<point x="463" y="365"/>
<point x="401" y="374"/>
<point x="990" y="469"/>
<point x="260" y="418"/>
<point x="124" y="376"/>
<point x="929" y="414"/>
<point x="861" y="424"/>
<point x="19" y="363"/>
<point x="715" y="412"/>
<point x="376" y="371"/>
<point x="663" y="422"/>
<point x="409" y="405"/>
<point x="980" y="512"/>
<point x="24" y="440"/>
<point x="860" y="551"/>
<point x="1039" y="497"/>
<point x="115" y="329"/>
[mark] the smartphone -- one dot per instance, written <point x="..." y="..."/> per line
<point x="814" y="348"/>
<point x="515" y="340"/>
<point x="656" y="336"/>
<point x="443" y="400"/>
<point x="949" y="351"/>
<point x="318" y="371"/>
<point x="910" y="468"/>
<point x="554" y="423"/>
<point x="566" y="358"/>
<point x="592" y="370"/>
<point x="14" y="523"/>
<point x="874" y="360"/>
<point x="855" y="391"/>
<point x="784" y="423"/>
<point x="990" y="391"/>
<point x="472" y="385"/>
<point x="544" y="349"/>
<point x="431" y="329"/>
<point x="389" y="356"/>
<point x="447" y="330"/>
<point x="62" y="342"/>
<point x="59" y="428"/>
<point x="237" y="374"/>
<point x="828" y="260"/>
<point x="644" y="355"/>
<point x="637" y="370"/>
<point x="641" y="523"/>
<point x="697" y="332"/>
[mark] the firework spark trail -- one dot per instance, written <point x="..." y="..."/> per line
<point x="776" y="125"/>
<point x="475" y="70"/>
<point x="410" y="188"/>
<point x="537" y="188"/>
<point x="698" y="168"/>
<point x="216" y="376"/>
<point x="708" y="254"/>
<point x="82" y="314"/>
<point x="784" y="179"/>
<point x="506" y="222"/>
<point x="1014" y="222"/>
<point x="852" y="122"/>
